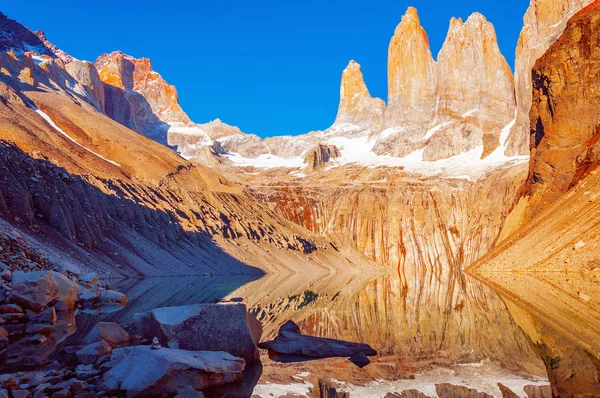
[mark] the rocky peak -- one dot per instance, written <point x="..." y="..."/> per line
<point x="473" y="73"/>
<point x="459" y="104"/>
<point x="412" y="80"/>
<point x="543" y="23"/>
<point x="356" y="104"/>
<point x="66" y="58"/>
<point x="139" y="97"/>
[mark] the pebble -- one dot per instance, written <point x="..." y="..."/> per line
<point x="584" y="297"/>
<point x="579" y="245"/>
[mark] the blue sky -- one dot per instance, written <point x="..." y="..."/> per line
<point x="271" y="67"/>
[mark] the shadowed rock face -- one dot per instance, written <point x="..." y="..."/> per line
<point x="564" y="115"/>
<point x="543" y="24"/>
<point x="16" y="37"/>
<point x="90" y="188"/>
<point x="149" y="101"/>
<point x="320" y="155"/>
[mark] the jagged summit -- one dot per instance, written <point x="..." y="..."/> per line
<point x="435" y="111"/>
<point x="356" y="104"/>
<point x="412" y="78"/>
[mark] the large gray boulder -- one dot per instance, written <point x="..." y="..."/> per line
<point x="107" y="297"/>
<point x="212" y="327"/>
<point x="142" y="371"/>
<point x="34" y="290"/>
<point x="91" y="352"/>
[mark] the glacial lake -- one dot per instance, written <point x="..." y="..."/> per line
<point x="437" y="328"/>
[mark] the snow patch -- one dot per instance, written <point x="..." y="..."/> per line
<point x="190" y="130"/>
<point x="482" y="377"/>
<point x="506" y="131"/>
<point x="469" y="113"/>
<point x="270" y="390"/>
<point x="434" y="130"/>
<point x="265" y="161"/>
<point x="61" y="131"/>
<point x="390" y="131"/>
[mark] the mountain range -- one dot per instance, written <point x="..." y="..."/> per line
<point x="101" y="169"/>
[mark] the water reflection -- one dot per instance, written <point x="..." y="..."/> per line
<point x="438" y="323"/>
<point x="438" y="320"/>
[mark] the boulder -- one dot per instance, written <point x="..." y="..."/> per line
<point x="88" y="295"/>
<point x="5" y="272"/>
<point x="289" y="341"/>
<point x="40" y="328"/>
<point x="112" y="297"/>
<point x="407" y="394"/>
<point x="189" y="392"/>
<point x="47" y="316"/>
<point x="20" y="394"/>
<point x="91" y="352"/>
<point x="451" y="391"/>
<point x="61" y="394"/>
<point x="110" y="332"/>
<point x="90" y="278"/>
<point x="327" y="389"/>
<point x="10" y="309"/>
<point x="213" y="327"/>
<point x="360" y="360"/>
<point x="67" y="291"/>
<point x="538" y="391"/>
<point x="34" y="290"/>
<point x="85" y="371"/>
<point x="140" y="371"/>
<point x="506" y="392"/>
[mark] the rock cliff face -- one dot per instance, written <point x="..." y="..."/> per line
<point x="87" y="75"/>
<point x="138" y="97"/>
<point x="357" y="107"/>
<point x="543" y="24"/>
<point x="549" y="239"/>
<point x="476" y="94"/>
<point x="321" y="154"/>
<point x="406" y="224"/>
<point x="412" y="76"/>
<point x="563" y="119"/>
<point x="461" y="103"/>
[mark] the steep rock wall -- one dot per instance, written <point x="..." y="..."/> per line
<point x="407" y="225"/>
<point x="543" y="23"/>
